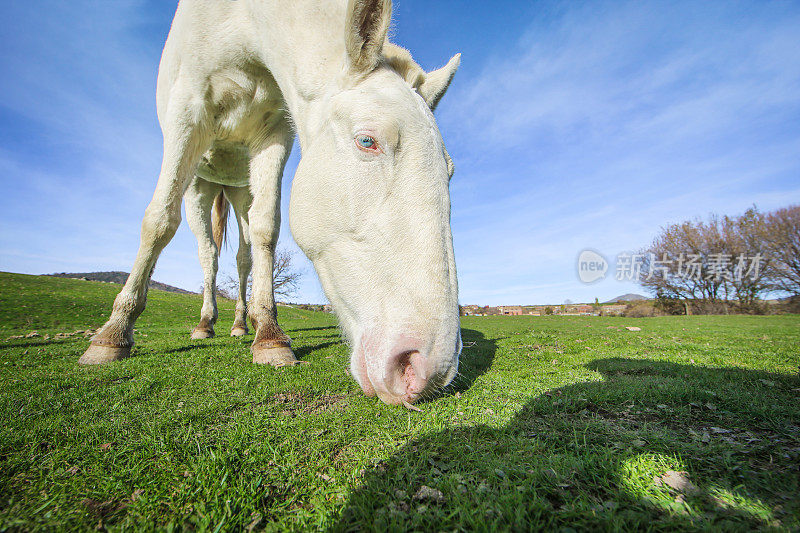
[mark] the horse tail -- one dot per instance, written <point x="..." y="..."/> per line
<point x="219" y="220"/>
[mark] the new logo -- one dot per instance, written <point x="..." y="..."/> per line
<point x="591" y="266"/>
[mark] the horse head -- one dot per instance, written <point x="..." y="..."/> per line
<point x="370" y="206"/>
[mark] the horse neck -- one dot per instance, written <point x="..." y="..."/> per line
<point x="302" y="45"/>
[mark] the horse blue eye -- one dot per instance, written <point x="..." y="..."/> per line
<point x="365" y="141"/>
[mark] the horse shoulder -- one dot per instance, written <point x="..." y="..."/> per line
<point x="205" y="55"/>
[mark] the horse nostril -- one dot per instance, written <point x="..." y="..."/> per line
<point x="407" y="371"/>
<point x="407" y="375"/>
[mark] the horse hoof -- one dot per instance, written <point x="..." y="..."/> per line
<point x="276" y="356"/>
<point x="98" y="354"/>
<point x="202" y="333"/>
<point x="238" y="332"/>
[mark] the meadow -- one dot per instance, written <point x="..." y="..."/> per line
<point x="557" y="423"/>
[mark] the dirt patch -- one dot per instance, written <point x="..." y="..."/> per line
<point x="294" y="403"/>
<point x="103" y="509"/>
<point x="289" y="398"/>
<point x="58" y="336"/>
<point x="112" y="381"/>
<point x="629" y="414"/>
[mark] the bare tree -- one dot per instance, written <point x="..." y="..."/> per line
<point x="782" y="237"/>
<point x="751" y="271"/>
<point x="676" y="264"/>
<point x="285" y="278"/>
<point x="707" y="265"/>
<point x="227" y="286"/>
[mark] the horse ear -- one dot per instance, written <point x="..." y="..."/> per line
<point x="437" y="81"/>
<point x="367" y="25"/>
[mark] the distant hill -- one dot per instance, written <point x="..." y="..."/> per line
<point x="630" y="297"/>
<point x="116" y="277"/>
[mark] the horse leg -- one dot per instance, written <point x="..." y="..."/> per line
<point x="199" y="198"/>
<point x="184" y="142"/>
<point x="271" y="345"/>
<point x="241" y="199"/>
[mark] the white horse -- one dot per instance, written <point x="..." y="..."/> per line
<point x="370" y="202"/>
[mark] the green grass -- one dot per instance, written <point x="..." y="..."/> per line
<point x="557" y="423"/>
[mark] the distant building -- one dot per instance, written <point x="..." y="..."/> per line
<point x="470" y="310"/>
<point x="542" y="310"/>
<point x="613" y="310"/>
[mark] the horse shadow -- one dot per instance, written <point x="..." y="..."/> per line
<point x="581" y="457"/>
<point x="302" y="352"/>
<point x="195" y="345"/>
<point x="318" y="328"/>
<point x="476" y="358"/>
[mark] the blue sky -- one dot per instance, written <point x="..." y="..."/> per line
<point x="572" y="125"/>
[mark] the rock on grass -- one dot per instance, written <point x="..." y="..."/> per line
<point x="429" y="495"/>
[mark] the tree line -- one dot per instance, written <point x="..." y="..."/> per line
<point x="723" y="264"/>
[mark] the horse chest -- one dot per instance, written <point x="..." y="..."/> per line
<point x="243" y="99"/>
<point x="247" y="109"/>
<point x="226" y="163"/>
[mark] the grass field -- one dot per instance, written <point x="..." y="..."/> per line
<point x="563" y="423"/>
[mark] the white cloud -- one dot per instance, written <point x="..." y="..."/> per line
<point x="598" y="124"/>
<point x="606" y="121"/>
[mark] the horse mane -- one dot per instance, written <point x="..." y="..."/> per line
<point x="399" y="59"/>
